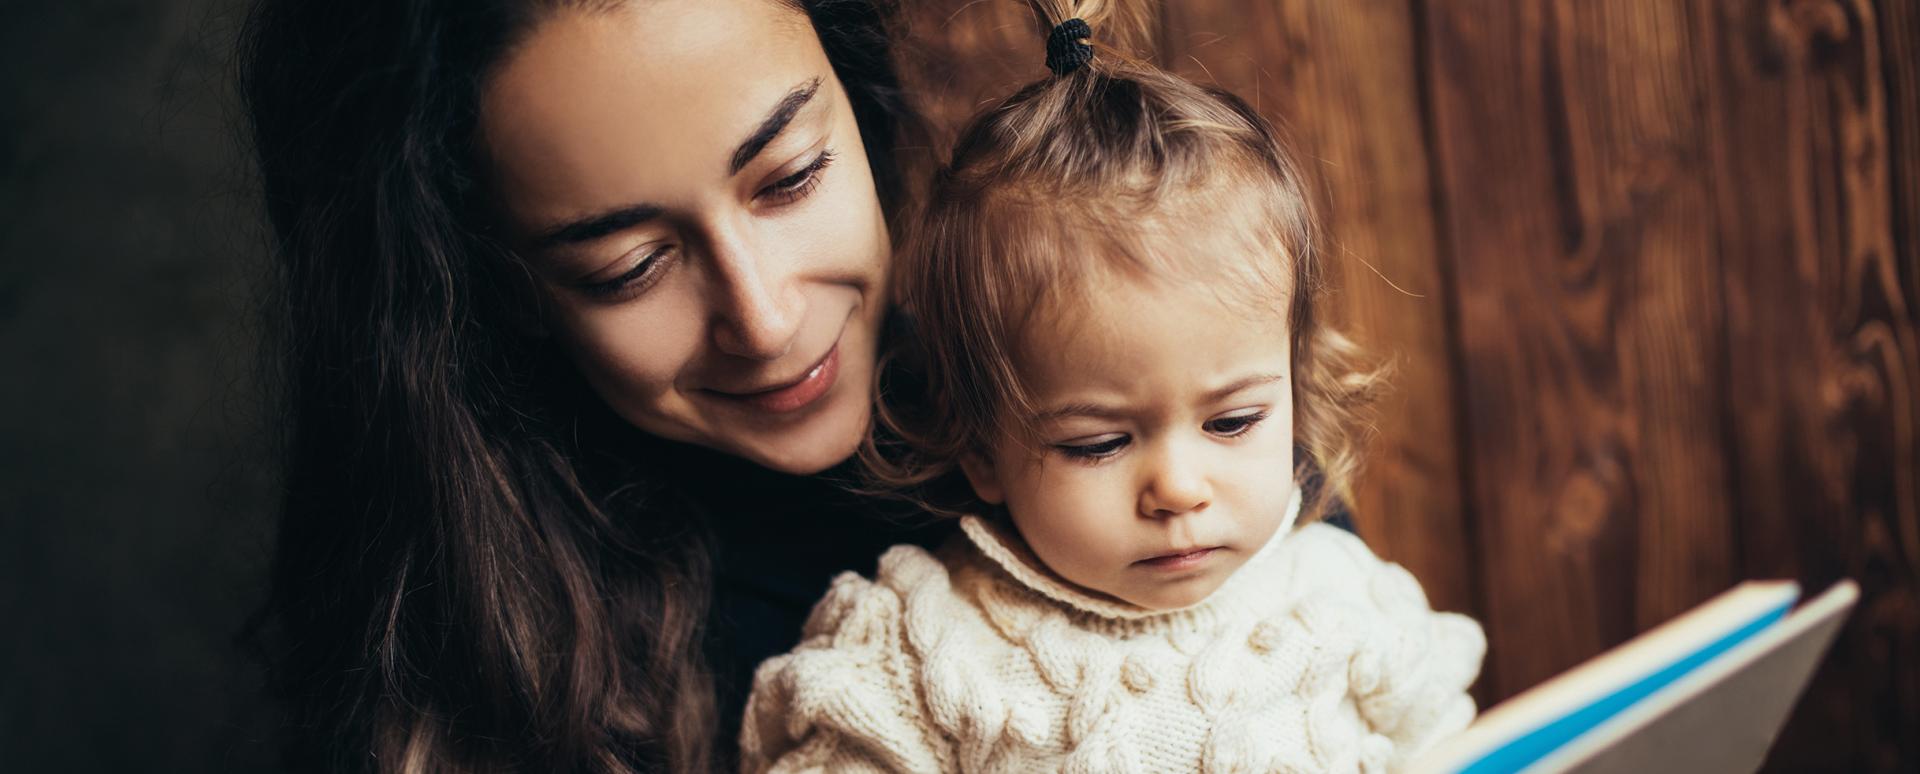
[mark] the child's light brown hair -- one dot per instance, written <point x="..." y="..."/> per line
<point x="1086" y="173"/>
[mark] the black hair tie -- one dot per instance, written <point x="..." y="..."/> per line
<point x="1066" y="50"/>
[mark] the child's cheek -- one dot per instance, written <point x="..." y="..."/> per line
<point x="1079" y="503"/>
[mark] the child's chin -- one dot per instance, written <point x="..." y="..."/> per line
<point x="1173" y="597"/>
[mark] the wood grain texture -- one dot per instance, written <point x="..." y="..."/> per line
<point x="1569" y="150"/>
<point x="1821" y="353"/>
<point x="960" y="56"/>
<point x="1900" y="63"/>
<point x="1340" y="76"/>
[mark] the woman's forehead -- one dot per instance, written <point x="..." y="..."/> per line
<point x="640" y="101"/>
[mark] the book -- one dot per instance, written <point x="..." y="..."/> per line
<point x="1705" y="692"/>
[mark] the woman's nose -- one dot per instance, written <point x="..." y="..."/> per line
<point x="1175" y="484"/>
<point x="756" y="298"/>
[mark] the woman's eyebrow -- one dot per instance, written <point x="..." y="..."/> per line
<point x="597" y="225"/>
<point x="776" y="122"/>
<point x="612" y="221"/>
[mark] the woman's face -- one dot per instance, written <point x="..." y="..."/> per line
<point x="688" y="183"/>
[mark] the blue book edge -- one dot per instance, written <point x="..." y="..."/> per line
<point x="1537" y="744"/>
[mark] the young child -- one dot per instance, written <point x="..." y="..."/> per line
<point x="1115" y="284"/>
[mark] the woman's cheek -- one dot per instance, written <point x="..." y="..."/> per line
<point x="642" y="345"/>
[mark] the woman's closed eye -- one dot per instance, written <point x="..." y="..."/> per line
<point x="1094" y="447"/>
<point x="1234" y="425"/>
<point x="635" y="280"/>
<point x="645" y="272"/>
<point x="798" y="185"/>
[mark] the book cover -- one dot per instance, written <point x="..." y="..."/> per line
<point x="1705" y="692"/>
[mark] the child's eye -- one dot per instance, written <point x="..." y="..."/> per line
<point x="1230" y="426"/>
<point x="1101" y="447"/>
<point x="797" y="185"/>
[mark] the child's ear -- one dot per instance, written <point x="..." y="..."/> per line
<point x="985" y="480"/>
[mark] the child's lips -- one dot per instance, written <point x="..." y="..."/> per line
<point x="1179" y="560"/>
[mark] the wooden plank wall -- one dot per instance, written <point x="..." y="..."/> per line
<point x="1648" y="273"/>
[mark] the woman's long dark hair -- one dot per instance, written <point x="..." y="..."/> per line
<point x="461" y="582"/>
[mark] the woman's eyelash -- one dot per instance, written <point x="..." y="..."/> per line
<point x="1093" y="451"/>
<point x="630" y="280"/>
<point x="787" y="189"/>
<point x="797" y="185"/>
<point x="1234" y="425"/>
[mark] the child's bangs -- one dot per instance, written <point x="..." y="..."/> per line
<point x="1235" y="236"/>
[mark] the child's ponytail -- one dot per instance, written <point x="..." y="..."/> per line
<point x="1118" y="29"/>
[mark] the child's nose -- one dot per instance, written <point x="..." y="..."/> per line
<point x="1176" y="486"/>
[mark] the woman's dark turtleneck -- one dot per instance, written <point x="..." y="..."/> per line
<point x="778" y="541"/>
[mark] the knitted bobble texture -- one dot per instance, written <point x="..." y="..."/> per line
<point x="1314" y="656"/>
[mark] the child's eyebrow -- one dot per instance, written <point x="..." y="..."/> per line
<point x="1078" y="410"/>
<point x="1098" y="411"/>
<point x="1242" y="383"/>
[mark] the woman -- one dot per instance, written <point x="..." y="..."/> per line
<point x="576" y="297"/>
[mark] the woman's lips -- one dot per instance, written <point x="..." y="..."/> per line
<point x="1180" y="561"/>
<point x="797" y="395"/>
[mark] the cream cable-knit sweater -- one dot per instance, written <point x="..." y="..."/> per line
<point x="1315" y="656"/>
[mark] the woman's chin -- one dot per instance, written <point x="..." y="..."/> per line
<point x="822" y="441"/>
<point x="801" y="461"/>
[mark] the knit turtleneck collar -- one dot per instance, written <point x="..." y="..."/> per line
<point x="1001" y="544"/>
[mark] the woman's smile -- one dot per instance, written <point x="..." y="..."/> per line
<point x="794" y="394"/>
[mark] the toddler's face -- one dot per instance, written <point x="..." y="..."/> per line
<point x="1165" y="431"/>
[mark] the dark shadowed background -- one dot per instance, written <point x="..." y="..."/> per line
<point x="1648" y="270"/>
<point x="133" y="493"/>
